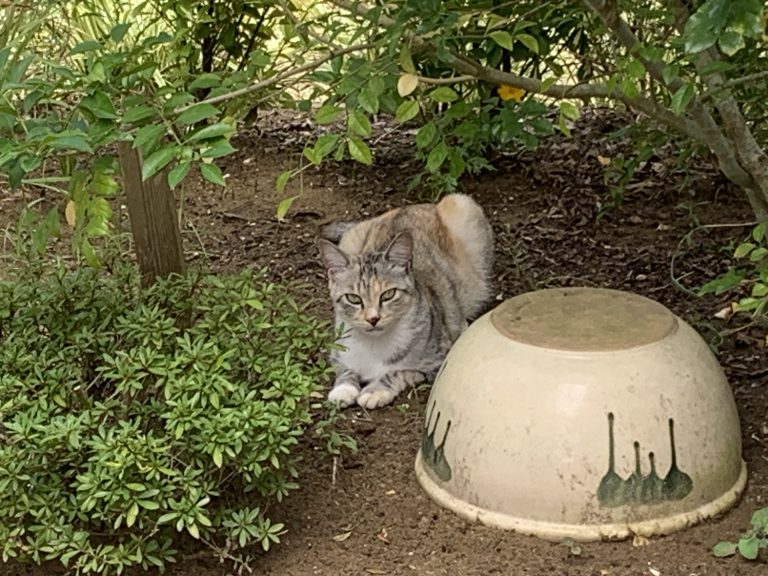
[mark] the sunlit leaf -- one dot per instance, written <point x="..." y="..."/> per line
<point x="359" y="150"/>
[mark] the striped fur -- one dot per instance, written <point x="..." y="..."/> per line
<point x="404" y="285"/>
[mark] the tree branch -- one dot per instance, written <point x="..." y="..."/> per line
<point x="443" y="81"/>
<point x="305" y="68"/>
<point x="702" y="125"/>
<point x="467" y="66"/>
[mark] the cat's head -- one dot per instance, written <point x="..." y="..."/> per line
<point x="370" y="292"/>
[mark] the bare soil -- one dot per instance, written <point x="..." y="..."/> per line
<point x="365" y="513"/>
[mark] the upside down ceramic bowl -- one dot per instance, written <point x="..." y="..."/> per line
<point x="582" y="413"/>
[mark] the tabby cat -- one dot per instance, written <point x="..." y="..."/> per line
<point x="404" y="285"/>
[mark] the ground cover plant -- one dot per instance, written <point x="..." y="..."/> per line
<point x="129" y="416"/>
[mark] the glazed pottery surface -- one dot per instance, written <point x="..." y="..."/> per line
<point x="583" y="413"/>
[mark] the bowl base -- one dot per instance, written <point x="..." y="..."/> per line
<point x="579" y="532"/>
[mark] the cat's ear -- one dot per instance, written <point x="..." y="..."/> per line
<point x="400" y="250"/>
<point x="333" y="257"/>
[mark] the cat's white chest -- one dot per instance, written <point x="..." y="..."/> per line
<point x="368" y="355"/>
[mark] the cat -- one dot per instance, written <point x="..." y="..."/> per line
<point x="404" y="286"/>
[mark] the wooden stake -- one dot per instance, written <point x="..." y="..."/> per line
<point x="152" y="212"/>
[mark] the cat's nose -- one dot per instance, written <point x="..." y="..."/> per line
<point x="373" y="320"/>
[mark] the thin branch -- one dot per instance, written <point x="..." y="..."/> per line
<point x="734" y="82"/>
<point x="451" y="80"/>
<point x="302" y="26"/>
<point x="308" y="67"/>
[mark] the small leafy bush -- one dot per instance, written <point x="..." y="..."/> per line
<point x="750" y="271"/>
<point x="129" y="414"/>
<point x="751" y="542"/>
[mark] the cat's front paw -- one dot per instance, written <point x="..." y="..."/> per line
<point x="344" y="394"/>
<point x="375" y="396"/>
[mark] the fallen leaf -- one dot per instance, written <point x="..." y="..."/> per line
<point x="343" y="536"/>
<point x="653" y="571"/>
<point x="725" y="313"/>
<point x="375" y="571"/>
<point x="383" y="536"/>
<point x="639" y="541"/>
<point x="390" y="492"/>
<point x="70" y="212"/>
<point x="603" y="160"/>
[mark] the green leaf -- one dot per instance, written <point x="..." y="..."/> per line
<point x="359" y="151"/>
<point x="759" y="290"/>
<point x="119" y="31"/>
<point x="758" y="232"/>
<point x="325" y="144"/>
<point x="703" y="26"/>
<point x="156" y="162"/>
<point x="503" y="39"/>
<point x="197" y="113"/>
<point x="731" y="42"/>
<point x="212" y="173"/>
<point x="636" y="69"/>
<point x="759" y="519"/>
<point x="569" y="110"/>
<point x="724" y="549"/>
<point x="681" y="98"/>
<point x="139" y="113"/>
<point x="359" y="124"/>
<point x="743" y="249"/>
<point x="426" y="135"/>
<point x="282" y="180"/>
<point x="310" y="154"/>
<point x="405" y="59"/>
<point x="179" y="172"/>
<point x="327" y="114"/>
<point x="148" y="137"/>
<point x="133" y="512"/>
<point x="219" y="148"/>
<point x="99" y="105"/>
<point x="529" y="42"/>
<point x="749" y="547"/>
<point x="369" y="101"/>
<point x="748" y="304"/>
<point x="406" y="111"/>
<point x="283" y="207"/>
<point x="167" y="517"/>
<point x="437" y="156"/>
<point x="212" y="131"/>
<point x="87" y="46"/>
<point x="218" y="458"/>
<point x="444" y="94"/>
<point x="758" y="254"/>
<point x="148" y="504"/>
<point x="71" y="140"/>
<point x="193" y="530"/>
<point x="724" y="283"/>
<point x="207" y="80"/>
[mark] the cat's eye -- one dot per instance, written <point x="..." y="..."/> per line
<point x="387" y="295"/>
<point x="353" y="299"/>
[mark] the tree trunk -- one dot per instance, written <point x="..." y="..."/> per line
<point x="154" y="224"/>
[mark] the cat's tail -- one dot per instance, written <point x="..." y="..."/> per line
<point x="336" y="230"/>
<point x="466" y="222"/>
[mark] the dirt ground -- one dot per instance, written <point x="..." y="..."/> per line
<point x="366" y="514"/>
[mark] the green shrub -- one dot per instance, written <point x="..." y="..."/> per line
<point x="751" y="541"/>
<point x="130" y="414"/>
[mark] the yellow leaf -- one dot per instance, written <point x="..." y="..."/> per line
<point x="70" y="213"/>
<point x="603" y="160"/>
<point x="507" y="92"/>
<point x="406" y="84"/>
